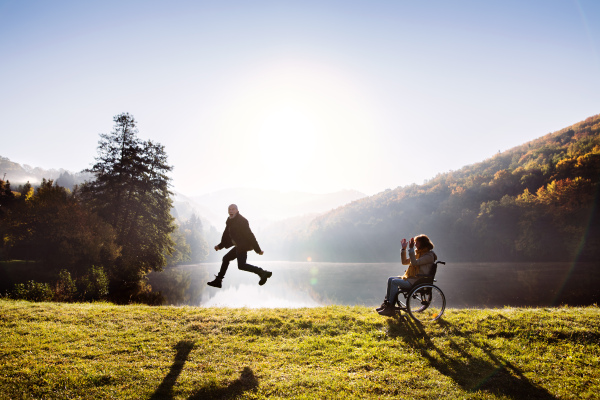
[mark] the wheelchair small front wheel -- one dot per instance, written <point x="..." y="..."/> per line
<point x="426" y="303"/>
<point x="400" y="302"/>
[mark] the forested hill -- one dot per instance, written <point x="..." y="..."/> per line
<point x="537" y="201"/>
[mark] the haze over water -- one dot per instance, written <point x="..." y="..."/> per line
<point x="479" y="285"/>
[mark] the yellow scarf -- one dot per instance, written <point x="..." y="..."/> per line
<point x="412" y="270"/>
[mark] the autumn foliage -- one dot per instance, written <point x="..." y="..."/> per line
<point x="535" y="202"/>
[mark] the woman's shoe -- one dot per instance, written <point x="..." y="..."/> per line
<point x="382" y="306"/>
<point x="389" y="311"/>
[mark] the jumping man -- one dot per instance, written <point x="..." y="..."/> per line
<point x="238" y="234"/>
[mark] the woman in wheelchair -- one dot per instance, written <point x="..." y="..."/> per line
<point x="420" y="261"/>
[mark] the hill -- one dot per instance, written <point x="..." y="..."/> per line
<point x="273" y="214"/>
<point x="95" y="351"/>
<point x="538" y="202"/>
<point x="19" y="174"/>
<point x="267" y="206"/>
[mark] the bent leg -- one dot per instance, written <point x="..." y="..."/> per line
<point x="389" y="285"/>
<point x="394" y="284"/>
<point x="227" y="258"/>
<point x="242" y="257"/>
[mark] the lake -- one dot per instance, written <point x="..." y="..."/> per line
<point x="312" y="284"/>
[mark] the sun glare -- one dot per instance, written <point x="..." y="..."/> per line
<point x="303" y="126"/>
<point x="287" y="138"/>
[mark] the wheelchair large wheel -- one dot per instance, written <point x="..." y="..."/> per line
<point x="426" y="303"/>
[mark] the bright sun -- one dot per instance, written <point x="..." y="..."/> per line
<point x="287" y="139"/>
<point x="298" y="127"/>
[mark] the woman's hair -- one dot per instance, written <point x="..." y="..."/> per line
<point x="425" y="243"/>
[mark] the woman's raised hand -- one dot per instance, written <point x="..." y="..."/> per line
<point x="404" y="243"/>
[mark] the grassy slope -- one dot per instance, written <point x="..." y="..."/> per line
<point x="92" y="351"/>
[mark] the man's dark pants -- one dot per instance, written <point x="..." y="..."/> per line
<point x="241" y="257"/>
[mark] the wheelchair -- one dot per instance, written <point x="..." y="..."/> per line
<point x="423" y="301"/>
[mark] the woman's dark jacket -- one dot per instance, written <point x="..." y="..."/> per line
<point x="237" y="233"/>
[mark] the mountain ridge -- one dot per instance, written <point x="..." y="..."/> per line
<point x="19" y="174"/>
<point x="272" y="205"/>
<point x="512" y="206"/>
<point x="264" y="205"/>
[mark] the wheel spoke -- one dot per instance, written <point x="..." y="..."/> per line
<point x="426" y="303"/>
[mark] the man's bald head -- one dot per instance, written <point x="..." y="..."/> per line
<point x="232" y="210"/>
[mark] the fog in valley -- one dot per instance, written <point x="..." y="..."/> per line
<point x="267" y="206"/>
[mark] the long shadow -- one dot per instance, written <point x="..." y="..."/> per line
<point x="468" y="367"/>
<point x="247" y="381"/>
<point x="165" y="389"/>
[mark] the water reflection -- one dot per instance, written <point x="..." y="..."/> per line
<point x="306" y="284"/>
<point x="254" y="296"/>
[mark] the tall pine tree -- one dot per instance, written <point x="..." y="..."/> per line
<point x="131" y="192"/>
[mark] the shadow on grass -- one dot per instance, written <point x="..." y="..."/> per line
<point x="165" y="389"/>
<point x="473" y="365"/>
<point x="246" y="381"/>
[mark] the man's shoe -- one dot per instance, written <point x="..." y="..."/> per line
<point x="264" y="276"/>
<point x="389" y="311"/>
<point x="216" y="283"/>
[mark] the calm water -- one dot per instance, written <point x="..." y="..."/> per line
<point x="304" y="284"/>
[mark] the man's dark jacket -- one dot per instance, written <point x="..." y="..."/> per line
<point x="237" y="232"/>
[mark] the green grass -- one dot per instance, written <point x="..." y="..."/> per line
<point x="103" y="351"/>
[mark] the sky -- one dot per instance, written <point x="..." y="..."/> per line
<point x="315" y="96"/>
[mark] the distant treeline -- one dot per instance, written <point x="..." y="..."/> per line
<point x="117" y="227"/>
<point x="535" y="202"/>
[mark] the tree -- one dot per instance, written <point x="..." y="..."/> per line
<point x="7" y="201"/>
<point x="52" y="226"/>
<point x="192" y="229"/>
<point x="66" y="180"/>
<point x="7" y="198"/>
<point x="131" y="192"/>
<point x="182" y="250"/>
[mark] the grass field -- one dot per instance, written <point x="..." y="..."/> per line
<point x="103" y="351"/>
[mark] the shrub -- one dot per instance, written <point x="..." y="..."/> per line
<point x="65" y="289"/>
<point x="94" y="285"/>
<point x="145" y="295"/>
<point x="33" y="291"/>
